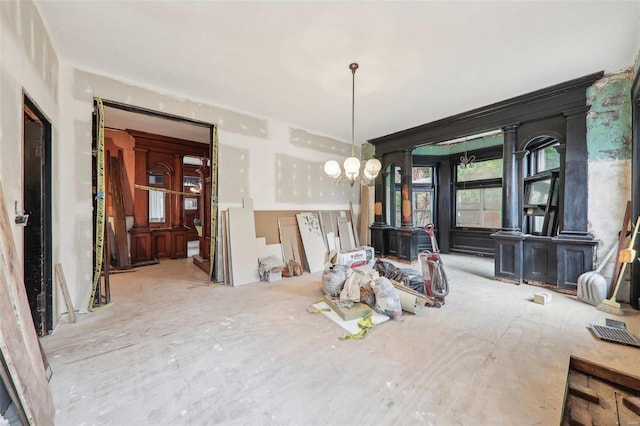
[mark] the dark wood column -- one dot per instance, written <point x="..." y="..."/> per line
<point x="520" y="158"/>
<point x="379" y="228"/>
<point x="176" y="185"/>
<point x="509" y="240"/>
<point x="407" y="234"/>
<point x="510" y="191"/>
<point x="406" y="208"/>
<point x="574" y="243"/>
<point x="573" y="175"/>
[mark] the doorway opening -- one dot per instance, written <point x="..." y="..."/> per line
<point x="157" y="172"/>
<point x="36" y="207"/>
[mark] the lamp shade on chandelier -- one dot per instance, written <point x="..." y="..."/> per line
<point x="351" y="165"/>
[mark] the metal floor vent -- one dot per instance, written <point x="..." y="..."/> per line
<point x="616" y="335"/>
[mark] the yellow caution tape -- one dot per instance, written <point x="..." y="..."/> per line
<point x="365" y="324"/>
<point x="214" y="203"/>
<point x="100" y="208"/>
<point x="318" y="310"/>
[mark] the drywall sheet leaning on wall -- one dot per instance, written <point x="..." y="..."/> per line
<point x="242" y="245"/>
<point x="291" y="241"/>
<point x="21" y="365"/>
<point x="347" y="240"/>
<point x="268" y="250"/>
<point x="313" y="241"/>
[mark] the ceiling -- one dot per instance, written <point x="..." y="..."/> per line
<point x="288" y="60"/>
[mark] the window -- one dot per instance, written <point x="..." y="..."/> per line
<point x="191" y="203"/>
<point x="191" y="184"/>
<point x="541" y="187"/>
<point x="479" y="194"/>
<point x="159" y="176"/>
<point x="395" y="196"/>
<point x="422" y="196"/>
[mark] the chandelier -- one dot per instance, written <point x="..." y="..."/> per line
<point x="352" y="164"/>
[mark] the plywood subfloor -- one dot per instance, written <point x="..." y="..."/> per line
<point x="174" y="351"/>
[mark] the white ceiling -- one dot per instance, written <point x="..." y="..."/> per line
<point x="419" y="61"/>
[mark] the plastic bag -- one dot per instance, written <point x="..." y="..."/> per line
<point x="333" y="279"/>
<point x="387" y="298"/>
<point x="351" y="289"/>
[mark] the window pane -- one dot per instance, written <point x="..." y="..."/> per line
<point x="538" y="222"/>
<point x="398" y="209"/>
<point x="539" y="192"/>
<point x="488" y="169"/>
<point x="468" y="199"/>
<point x="492" y="208"/>
<point x="397" y="175"/>
<point x="422" y="175"/>
<point x="156" y="179"/>
<point x="156" y="207"/>
<point x="468" y="207"/>
<point x="191" y="204"/>
<point x="548" y="158"/>
<point x="422" y="208"/>
<point x="479" y="208"/>
<point x="468" y="218"/>
<point x="493" y="199"/>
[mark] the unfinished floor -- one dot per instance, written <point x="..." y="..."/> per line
<point x="174" y="351"/>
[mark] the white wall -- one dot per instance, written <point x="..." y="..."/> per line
<point x="29" y="63"/>
<point x="262" y="159"/>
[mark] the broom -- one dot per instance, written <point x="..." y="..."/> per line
<point x="625" y="257"/>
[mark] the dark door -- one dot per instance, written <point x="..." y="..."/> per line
<point x="37" y="232"/>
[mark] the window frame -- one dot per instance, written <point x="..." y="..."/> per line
<point x="549" y="211"/>
<point x="167" y="174"/>
<point x="493" y="153"/>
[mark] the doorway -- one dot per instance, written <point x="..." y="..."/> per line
<point x="37" y="252"/>
<point x="160" y="159"/>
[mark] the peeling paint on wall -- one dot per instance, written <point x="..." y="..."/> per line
<point x="304" y="182"/>
<point x="609" y="149"/>
<point x="609" y="120"/>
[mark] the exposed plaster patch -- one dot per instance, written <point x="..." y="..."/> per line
<point x="233" y="184"/>
<point x="303" y="138"/>
<point x="304" y="182"/>
<point x="9" y="15"/>
<point x="24" y="21"/>
<point x="118" y="91"/>
<point x="609" y="189"/>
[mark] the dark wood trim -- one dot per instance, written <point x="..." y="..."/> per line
<point x="152" y="113"/>
<point x="167" y="144"/>
<point x="534" y="105"/>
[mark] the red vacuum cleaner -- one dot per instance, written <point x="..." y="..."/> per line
<point x="435" y="278"/>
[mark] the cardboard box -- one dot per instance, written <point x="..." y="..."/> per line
<point x="355" y="258"/>
<point x="272" y="276"/>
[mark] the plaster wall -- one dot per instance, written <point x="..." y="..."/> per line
<point x="609" y="151"/>
<point x="278" y="166"/>
<point x="28" y="64"/>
